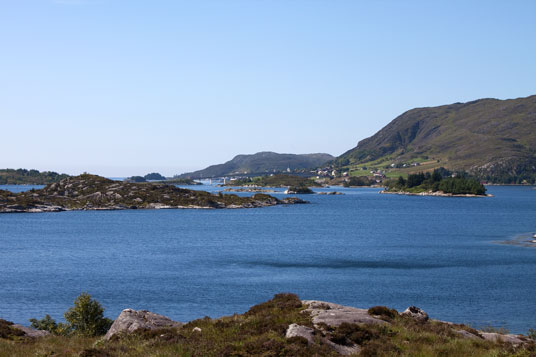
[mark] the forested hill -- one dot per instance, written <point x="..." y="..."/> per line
<point x="29" y="177"/>
<point x="493" y="139"/>
<point x="262" y="163"/>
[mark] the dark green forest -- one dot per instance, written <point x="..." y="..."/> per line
<point x="29" y="177"/>
<point x="458" y="183"/>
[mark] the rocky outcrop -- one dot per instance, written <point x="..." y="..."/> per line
<point x="506" y="338"/>
<point x="131" y="320"/>
<point x="295" y="330"/>
<point x="90" y="192"/>
<point x="415" y="313"/>
<point x="333" y="314"/>
<point x="31" y="332"/>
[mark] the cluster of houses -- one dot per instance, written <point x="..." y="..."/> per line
<point x="328" y="172"/>
<point x="406" y="165"/>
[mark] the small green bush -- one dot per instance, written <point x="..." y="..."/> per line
<point x="383" y="311"/>
<point x="86" y="317"/>
<point x="348" y="334"/>
<point x="532" y="334"/>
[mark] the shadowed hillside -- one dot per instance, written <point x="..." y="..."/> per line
<point x="261" y="163"/>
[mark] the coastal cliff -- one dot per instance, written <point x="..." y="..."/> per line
<point x="90" y="192"/>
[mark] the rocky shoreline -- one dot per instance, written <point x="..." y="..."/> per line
<point x="252" y="190"/>
<point x="90" y="192"/>
<point x="431" y="193"/>
<point x="325" y="328"/>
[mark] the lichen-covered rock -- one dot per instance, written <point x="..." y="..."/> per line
<point x="31" y="332"/>
<point x="295" y="330"/>
<point x="415" y="313"/>
<point x="130" y="320"/>
<point x="467" y="334"/>
<point x="508" y="338"/>
<point x="333" y="314"/>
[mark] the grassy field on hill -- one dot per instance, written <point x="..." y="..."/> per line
<point x="492" y="139"/>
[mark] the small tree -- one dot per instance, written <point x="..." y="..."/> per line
<point x="47" y="323"/>
<point x="86" y="317"/>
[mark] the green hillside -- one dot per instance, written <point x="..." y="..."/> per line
<point x="262" y="163"/>
<point x="492" y="139"/>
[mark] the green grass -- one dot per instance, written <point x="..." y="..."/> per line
<point x="492" y="139"/>
<point x="261" y="332"/>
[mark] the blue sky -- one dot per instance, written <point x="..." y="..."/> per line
<point x="119" y="88"/>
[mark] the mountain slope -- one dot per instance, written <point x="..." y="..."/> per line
<point x="488" y="137"/>
<point x="261" y="163"/>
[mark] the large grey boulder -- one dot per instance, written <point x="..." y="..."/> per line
<point x="308" y="333"/>
<point x="295" y="330"/>
<point x="415" y="313"/>
<point x="508" y="338"/>
<point x="131" y="320"/>
<point x="333" y="314"/>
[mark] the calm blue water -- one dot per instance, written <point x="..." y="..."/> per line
<point x="360" y="249"/>
<point x="20" y="188"/>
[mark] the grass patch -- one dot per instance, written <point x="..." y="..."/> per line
<point x="261" y="332"/>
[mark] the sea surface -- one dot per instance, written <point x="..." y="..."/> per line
<point x="360" y="249"/>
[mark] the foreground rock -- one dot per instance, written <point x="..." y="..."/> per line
<point x="131" y="320"/>
<point x="329" y="315"/>
<point x="90" y="192"/>
<point x="282" y="326"/>
<point x="334" y="315"/>
<point x="11" y="331"/>
<point x="504" y="338"/>
<point x="31" y="332"/>
<point x="415" y="313"/>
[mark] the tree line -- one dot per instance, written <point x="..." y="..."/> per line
<point x="441" y="179"/>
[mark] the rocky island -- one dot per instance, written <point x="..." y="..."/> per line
<point x="282" y="326"/>
<point x="91" y="192"/>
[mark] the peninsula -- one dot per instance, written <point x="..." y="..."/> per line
<point x="91" y="192"/>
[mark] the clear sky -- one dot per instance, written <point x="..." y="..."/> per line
<point x="119" y="88"/>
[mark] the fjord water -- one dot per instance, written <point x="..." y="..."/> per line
<point x="360" y="249"/>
